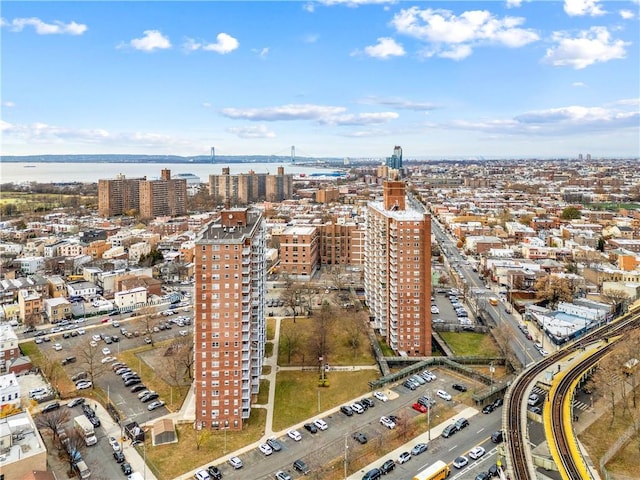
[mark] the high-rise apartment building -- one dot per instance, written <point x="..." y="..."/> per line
<point x="229" y="316"/>
<point x="118" y="196"/>
<point x="166" y="196"/>
<point x="250" y="187"/>
<point x="397" y="272"/>
<point x="300" y="251"/>
<point x="150" y="198"/>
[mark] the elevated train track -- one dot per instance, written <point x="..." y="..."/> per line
<point x="518" y="454"/>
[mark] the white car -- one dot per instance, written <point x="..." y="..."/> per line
<point x="321" y="424"/>
<point x="357" y="408"/>
<point x="57" y="346"/>
<point x="183" y="333"/>
<point x="387" y="422"/>
<point x="93" y="344"/>
<point x="96" y="338"/>
<point x="266" y="449"/>
<point x="380" y="396"/>
<point x="202" y="475"/>
<point x="83" y="385"/>
<point x="106" y="351"/>
<point x="294" y="434"/>
<point x="81" y="331"/>
<point x="435" y="310"/>
<point x="444" y="395"/>
<point x="543" y="352"/>
<point x="476" y="452"/>
<point x="113" y="441"/>
<point x="108" y="359"/>
<point x="235" y="462"/>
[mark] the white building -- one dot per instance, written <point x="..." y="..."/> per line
<point x="130" y="299"/>
<point x="9" y="390"/>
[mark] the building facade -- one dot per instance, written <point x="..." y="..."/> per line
<point x="167" y="196"/>
<point x="300" y="251"/>
<point x="250" y="187"/>
<point x="119" y="195"/>
<point x="229" y="317"/>
<point x="397" y="273"/>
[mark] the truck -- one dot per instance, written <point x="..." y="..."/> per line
<point x="85" y="428"/>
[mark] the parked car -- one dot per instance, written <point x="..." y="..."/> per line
<point x="301" y="466"/>
<point x="235" y="462"/>
<point x="154" y="405"/>
<point x="346" y="409"/>
<point x="444" y="395"/>
<point x="496" y="437"/>
<point x="380" y="396"/>
<point x="265" y="449"/>
<point x="274" y="444"/>
<point x="214" y="472"/>
<point x="283" y="476"/>
<point x="311" y="428"/>
<point x="360" y="437"/>
<point x="458" y="387"/>
<point x="419" y="448"/>
<point x="461" y="423"/>
<point x="356" y="407"/>
<point x="83" y="385"/>
<point x="387" y="466"/>
<point x="449" y="430"/>
<point x="75" y="402"/>
<point x="387" y="422"/>
<point x="51" y="407"/>
<point x="118" y="457"/>
<point x="419" y="407"/>
<point x="488" y="408"/>
<point x="320" y="424"/>
<point x="126" y="468"/>
<point x="295" y="435"/>
<point x="201" y="475"/>
<point x="367" y="403"/>
<point x="149" y="396"/>
<point x="404" y="457"/>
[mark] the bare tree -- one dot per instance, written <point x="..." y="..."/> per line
<point x="338" y="278"/>
<point x="90" y="357"/>
<point x="354" y="328"/>
<point x="74" y="447"/>
<point x="615" y="296"/>
<point x="554" y="289"/>
<point x="607" y="377"/>
<point x="178" y="361"/>
<point x="290" y="343"/>
<point x="148" y="316"/>
<point x="322" y="331"/>
<point x="53" y="420"/>
<point x="291" y="298"/>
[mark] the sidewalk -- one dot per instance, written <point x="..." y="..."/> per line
<point x="112" y="429"/>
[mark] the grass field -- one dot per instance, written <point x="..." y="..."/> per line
<point x="470" y="344"/>
<point x="339" y="352"/>
<point x="26" y="202"/>
<point x="297" y="393"/>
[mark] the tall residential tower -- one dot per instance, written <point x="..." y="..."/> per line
<point x="397" y="277"/>
<point x="229" y="317"/>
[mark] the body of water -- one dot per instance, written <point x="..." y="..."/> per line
<point x="11" y="172"/>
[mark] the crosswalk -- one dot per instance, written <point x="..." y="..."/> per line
<point x="579" y="405"/>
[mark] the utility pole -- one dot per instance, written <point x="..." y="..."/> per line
<point x="346" y="448"/>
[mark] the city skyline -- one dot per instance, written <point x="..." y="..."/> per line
<point x="335" y="78"/>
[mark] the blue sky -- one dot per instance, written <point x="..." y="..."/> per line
<point x="335" y="78"/>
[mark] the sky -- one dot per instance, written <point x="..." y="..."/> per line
<point x="332" y="78"/>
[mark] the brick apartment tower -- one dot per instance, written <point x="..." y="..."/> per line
<point x="229" y="317"/>
<point x="397" y="273"/>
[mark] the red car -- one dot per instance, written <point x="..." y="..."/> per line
<point x="419" y="407"/>
<point x="105" y="320"/>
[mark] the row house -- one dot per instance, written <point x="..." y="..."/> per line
<point x="9" y="346"/>
<point x="57" y="309"/>
<point x="30" y="303"/>
<point x="9" y="391"/>
<point x="31" y="265"/>
<point x="479" y="244"/>
<point x="72" y="249"/>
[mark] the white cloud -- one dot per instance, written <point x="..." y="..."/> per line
<point x="352" y="3"/>
<point x="553" y="122"/>
<point x="42" y="133"/>
<point x="42" y="28"/>
<point x="627" y="14"/>
<point x="579" y="8"/>
<point x="324" y="115"/>
<point x="400" y="104"/>
<point x="224" y="44"/>
<point x="514" y="3"/>
<point x="579" y="84"/>
<point x="589" y="47"/>
<point x="150" y="41"/>
<point x="452" y="36"/>
<point x="385" y="48"/>
<point x="8" y="104"/>
<point x="259" y="131"/>
<point x="284" y="112"/>
<point x="261" y="52"/>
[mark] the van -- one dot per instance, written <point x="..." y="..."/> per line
<point x="82" y="469"/>
<point x="372" y="474"/>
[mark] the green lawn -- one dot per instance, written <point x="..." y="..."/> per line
<point x="297" y="393"/>
<point x="470" y="344"/>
